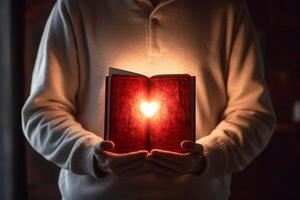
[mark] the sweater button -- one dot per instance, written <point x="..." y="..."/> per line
<point x="155" y="21"/>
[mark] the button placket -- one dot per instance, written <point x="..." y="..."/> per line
<point x="153" y="27"/>
<point x="153" y="46"/>
<point x="154" y="21"/>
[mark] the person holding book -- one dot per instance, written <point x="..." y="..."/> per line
<point x="213" y="40"/>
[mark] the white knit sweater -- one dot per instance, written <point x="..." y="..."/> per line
<point x="213" y="40"/>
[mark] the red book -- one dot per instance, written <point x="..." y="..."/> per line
<point x="145" y="113"/>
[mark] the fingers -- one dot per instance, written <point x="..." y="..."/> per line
<point x="105" y="145"/>
<point x="175" y="157"/>
<point x="165" y="163"/>
<point x="129" y="155"/>
<point x="122" y="159"/>
<point x="122" y="164"/>
<point x="192" y="146"/>
<point x="175" y="164"/>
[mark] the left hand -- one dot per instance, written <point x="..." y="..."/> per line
<point x="168" y="163"/>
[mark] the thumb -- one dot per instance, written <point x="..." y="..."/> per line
<point x="192" y="146"/>
<point x="105" y="145"/>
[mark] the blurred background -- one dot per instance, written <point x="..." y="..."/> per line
<point x="275" y="174"/>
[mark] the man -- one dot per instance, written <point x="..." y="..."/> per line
<point x="63" y="118"/>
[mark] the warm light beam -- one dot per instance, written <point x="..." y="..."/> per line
<point x="149" y="108"/>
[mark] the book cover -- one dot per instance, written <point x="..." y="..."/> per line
<point x="144" y="113"/>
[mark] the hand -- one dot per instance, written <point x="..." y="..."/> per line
<point x="168" y="163"/>
<point x="119" y="164"/>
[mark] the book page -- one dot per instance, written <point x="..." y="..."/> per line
<point x="116" y="71"/>
<point x="175" y="121"/>
<point x="127" y="126"/>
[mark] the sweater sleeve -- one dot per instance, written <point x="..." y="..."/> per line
<point x="49" y="114"/>
<point x="248" y="120"/>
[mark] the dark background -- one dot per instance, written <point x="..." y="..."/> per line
<point x="24" y="174"/>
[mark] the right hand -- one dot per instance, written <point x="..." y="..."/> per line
<point x="119" y="164"/>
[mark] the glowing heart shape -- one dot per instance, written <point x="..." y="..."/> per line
<point x="149" y="108"/>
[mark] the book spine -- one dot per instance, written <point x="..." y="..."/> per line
<point x="148" y="135"/>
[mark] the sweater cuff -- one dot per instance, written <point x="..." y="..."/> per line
<point x="216" y="157"/>
<point x="83" y="160"/>
<point x="94" y="170"/>
<point x="92" y="166"/>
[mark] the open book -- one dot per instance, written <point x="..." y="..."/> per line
<point x="144" y="113"/>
